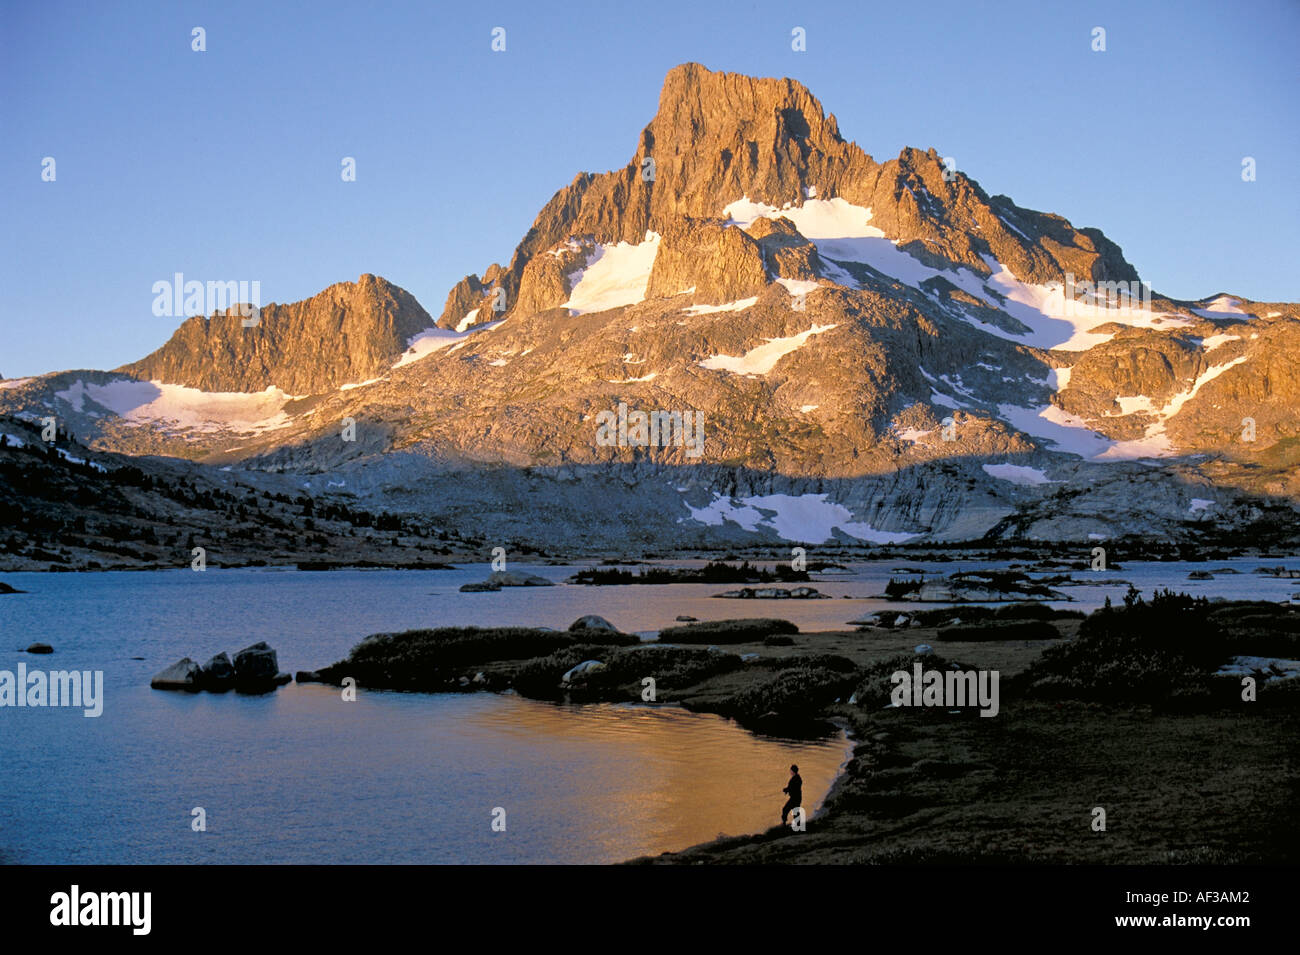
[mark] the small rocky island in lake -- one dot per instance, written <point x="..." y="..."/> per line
<point x="503" y="578"/>
<point x="255" y="669"/>
<point x="974" y="586"/>
<point x="714" y="572"/>
<point x="774" y="593"/>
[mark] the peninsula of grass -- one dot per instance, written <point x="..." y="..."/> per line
<point x="1141" y="709"/>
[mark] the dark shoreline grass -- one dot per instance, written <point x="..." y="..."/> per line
<point x="1177" y="789"/>
<point x="1119" y="710"/>
<point x="714" y="572"/>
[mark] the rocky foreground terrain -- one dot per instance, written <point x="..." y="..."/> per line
<point x="848" y="353"/>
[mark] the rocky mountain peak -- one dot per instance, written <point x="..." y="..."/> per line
<point x="718" y="136"/>
<point x="349" y="332"/>
<point x="866" y="338"/>
<point x="722" y="137"/>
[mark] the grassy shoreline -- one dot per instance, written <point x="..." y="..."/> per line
<point x="1121" y="710"/>
<point x="1177" y="790"/>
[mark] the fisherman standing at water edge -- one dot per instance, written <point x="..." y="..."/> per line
<point x="795" y="790"/>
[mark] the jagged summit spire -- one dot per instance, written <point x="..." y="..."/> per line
<point x="694" y="98"/>
<point x="719" y="137"/>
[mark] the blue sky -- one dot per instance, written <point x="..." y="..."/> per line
<point x="226" y="164"/>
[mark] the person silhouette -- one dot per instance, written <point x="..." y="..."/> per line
<point x="794" y="788"/>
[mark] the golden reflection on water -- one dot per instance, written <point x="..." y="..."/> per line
<point x="671" y="778"/>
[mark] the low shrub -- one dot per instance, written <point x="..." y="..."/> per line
<point x="1001" y="630"/>
<point x="791" y="699"/>
<point x="898" y="589"/>
<point x="1142" y="652"/>
<point x="426" y="659"/>
<point x="539" y="678"/>
<point x="673" y="669"/>
<point x="875" y="683"/>
<point x="727" y="631"/>
<point x="1036" y="611"/>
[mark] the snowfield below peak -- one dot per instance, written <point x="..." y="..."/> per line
<point x="762" y="359"/>
<point x="614" y="276"/>
<point x="842" y="233"/>
<point x="429" y="341"/>
<point x="177" y="407"/>
<point x="433" y="340"/>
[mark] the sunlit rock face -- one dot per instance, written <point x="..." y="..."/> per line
<point x="878" y="352"/>
<point x="351" y="331"/>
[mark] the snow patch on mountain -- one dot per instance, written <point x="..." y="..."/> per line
<point x="435" y="339"/>
<point x="1273" y="668"/>
<point x="943" y="398"/>
<point x="807" y="517"/>
<point x="1006" y="221"/>
<point x="427" y="342"/>
<point x="761" y="360"/>
<point x="1017" y="474"/>
<point x="178" y="407"/>
<point x="614" y="276"/>
<point x="737" y="306"/>
<point x="1212" y="342"/>
<point x="1132" y="404"/>
<point x="569" y="245"/>
<point x="814" y="218"/>
<point x="842" y="232"/>
<point x="723" y="508"/>
<point x="633" y="381"/>
<point x="1054" y="321"/>
<point x="948" y="401"/>
<point x="75" y="460"/>
<point x="1058" y="379"/>
<point x="1175" y="404"/>
<point x="360" y="384"/>
<point x="1071" y="434"/>
<point x="797" y="287"/>
<point x="1222" y="306"/>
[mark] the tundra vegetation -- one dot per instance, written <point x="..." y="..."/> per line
<point x="1125" y="708"/>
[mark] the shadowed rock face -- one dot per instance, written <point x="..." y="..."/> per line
<point x="352" y="331"/>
